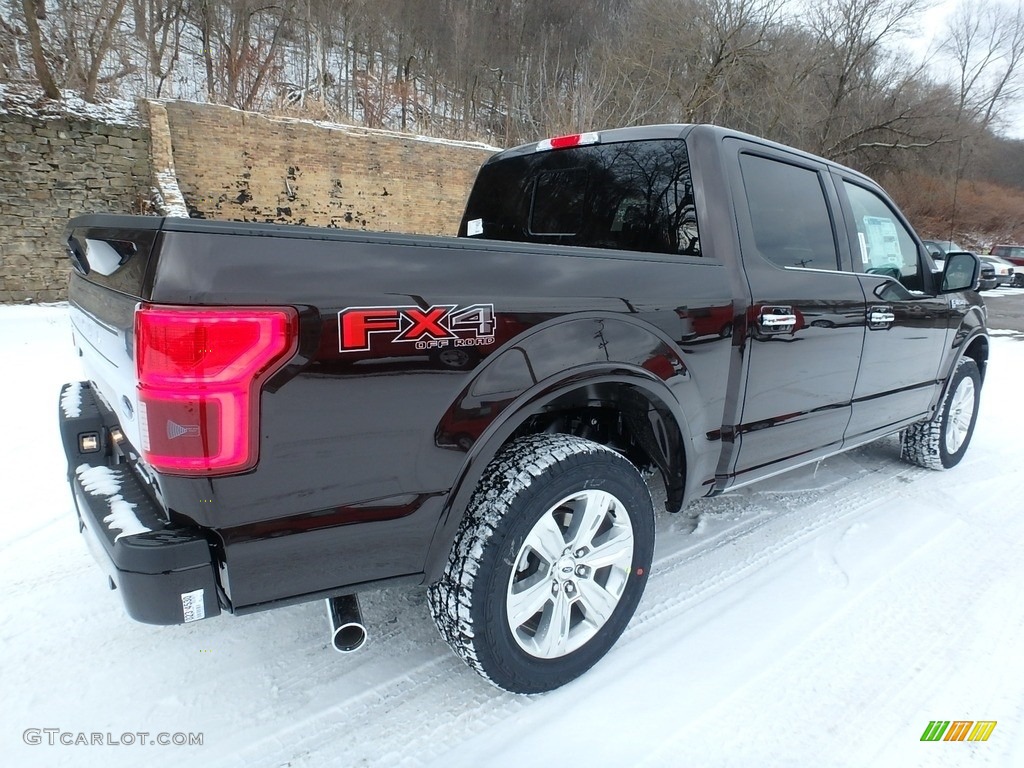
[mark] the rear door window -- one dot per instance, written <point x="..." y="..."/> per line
<point x="789" y="216"/>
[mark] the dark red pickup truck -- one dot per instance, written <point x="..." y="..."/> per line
<point x="278" y="414"/>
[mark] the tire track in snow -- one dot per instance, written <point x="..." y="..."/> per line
<point x="400" y="703"/>
<point x="856" y="497"/>
<point x="961" y="570"/>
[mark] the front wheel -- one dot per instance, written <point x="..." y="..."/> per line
<point x="941" y="442"/>
<point x="549" y="563"/>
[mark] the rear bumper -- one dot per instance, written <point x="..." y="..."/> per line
<point x="163" y="572"/>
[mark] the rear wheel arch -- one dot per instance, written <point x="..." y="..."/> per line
<point x="651" y="418"/>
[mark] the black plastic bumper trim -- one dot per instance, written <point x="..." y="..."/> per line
<point x="164" y="572"/>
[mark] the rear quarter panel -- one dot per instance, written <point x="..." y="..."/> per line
<point x="363" y="447"/>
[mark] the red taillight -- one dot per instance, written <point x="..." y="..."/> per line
<point x="565" y="142"/>
<point x="200" y="372"/>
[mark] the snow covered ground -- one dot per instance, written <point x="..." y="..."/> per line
<point x="823" y="618"/>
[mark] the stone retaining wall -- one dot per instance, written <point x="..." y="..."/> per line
<point x="178" y="158"/>
<point x="50" y="170"/>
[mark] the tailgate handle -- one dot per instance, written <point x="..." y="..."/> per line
<point x="77" y="253"/>
<point x="107" y="256"/>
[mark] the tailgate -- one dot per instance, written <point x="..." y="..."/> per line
<point x="111" y="257"/>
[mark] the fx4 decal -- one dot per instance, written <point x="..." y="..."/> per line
<point x="434" y="327"/>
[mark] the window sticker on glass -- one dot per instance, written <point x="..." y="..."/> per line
<point x="863" y="248"/>
<point x="883" y="242"/>
<point x="474" y="227"/>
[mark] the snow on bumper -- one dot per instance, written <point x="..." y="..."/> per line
<point x="163" y="572"/>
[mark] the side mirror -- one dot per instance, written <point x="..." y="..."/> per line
<point x="960" y="272"/>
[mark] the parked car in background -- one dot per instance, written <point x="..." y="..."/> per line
<point x="1011" y="253"/>
<point x="1005" y="272"/>
<point x="936" y="251"/>
<point x="987" y="281"/>
<point x="939" y="248"/>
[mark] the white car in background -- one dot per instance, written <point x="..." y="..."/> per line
<point x="1006" y="272"/>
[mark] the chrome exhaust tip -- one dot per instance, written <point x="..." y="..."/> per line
<point x="348" y="633"/>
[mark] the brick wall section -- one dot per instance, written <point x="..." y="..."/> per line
<point x="51" y="170"/>
<point x="248" y="167"/>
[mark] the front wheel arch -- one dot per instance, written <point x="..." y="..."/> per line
<point x="942" y="441"/>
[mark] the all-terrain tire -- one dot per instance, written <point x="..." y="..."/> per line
<point x="941" y="442"/>
<point x="548" y="564"/>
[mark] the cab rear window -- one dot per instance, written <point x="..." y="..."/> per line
<point x="635" y="196"/>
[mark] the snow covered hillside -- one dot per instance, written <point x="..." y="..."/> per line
<point x="823" y="618"/>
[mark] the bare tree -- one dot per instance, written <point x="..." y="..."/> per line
<point x="158" y="28"/>
<point x="820" y="76"/>
<point x="986" y="43"/>
<point x="35" y="10"/>
<point x="853" y="39"/>
<point x="241" y="42"/>
<point x="91" y="45"/>
<point x="692" y="60"/>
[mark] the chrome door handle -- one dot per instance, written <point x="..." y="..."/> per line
<point x="880" y="317"/>
<point x="777" y="319"/>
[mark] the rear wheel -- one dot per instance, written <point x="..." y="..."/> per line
<point x="549" y="563"/>
<point x="941" y="442"/>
